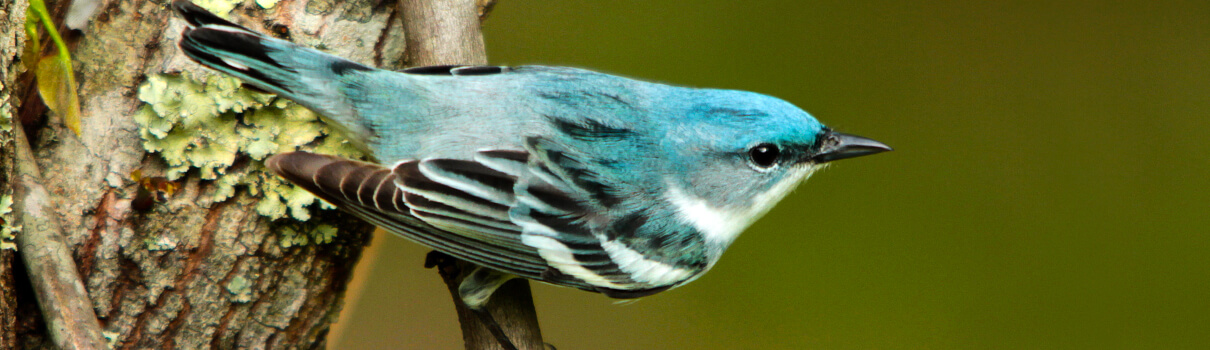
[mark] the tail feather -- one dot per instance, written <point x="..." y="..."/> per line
<point x="319" y="81"/>
<point x="239" y="54"/>
<point x="337" y="180"/>
<point x="197" y="16"/>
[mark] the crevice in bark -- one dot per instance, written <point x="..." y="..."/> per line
<point x="87" y="253"/>
<point x="380" y="46"/>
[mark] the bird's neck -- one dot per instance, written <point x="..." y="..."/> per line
<point x="721" y="225"/>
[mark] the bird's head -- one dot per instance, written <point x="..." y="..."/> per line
<point x="743" y="152"/>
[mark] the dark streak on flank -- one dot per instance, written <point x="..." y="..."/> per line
<point x="576" y="173"/>
<point x="583" y="178"/>
<point x="599" y="191"/>
<point x="343" y="67"/>
<point x="591" y="130"/>
<point x="679" y="247"/>
<point x="626" y="225"/>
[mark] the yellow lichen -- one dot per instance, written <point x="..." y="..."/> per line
<point x="6" y="117"/>
<point x="240" y="288"/>
<point x="6" y="110"/>
<point x="8" y="231"/>
<point x="208" y="125"/>
<point x="218" y="7"/>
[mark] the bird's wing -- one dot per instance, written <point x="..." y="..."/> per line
<point x="574" y="203"/>
<point x="528" y="213"/>
<point x="372" y="192"/>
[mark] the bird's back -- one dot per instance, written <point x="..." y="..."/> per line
<point x="413" y="115"/>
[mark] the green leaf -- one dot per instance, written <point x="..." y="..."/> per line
<point x="56" y="81"/>
<point x="57" y="85"/>
<point x="33" y="46"/>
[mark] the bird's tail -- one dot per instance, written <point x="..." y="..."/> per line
<point x="304" y="75"/>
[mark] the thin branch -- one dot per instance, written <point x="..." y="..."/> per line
<point x="61" y="295"/>
<point x="442" y="32"/>
<point x="448" y="32"/>
<point x="512" y="306"/>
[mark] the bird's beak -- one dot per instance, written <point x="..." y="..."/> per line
<point x="835" y="146"/>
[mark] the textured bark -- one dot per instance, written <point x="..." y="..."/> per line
<point x="179" y="297"/>
<point x="444" y="32"/>
<point x="8" y="302"/>
<point x="12" y="16"/>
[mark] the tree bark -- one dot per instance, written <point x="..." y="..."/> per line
<point x="181" y="294"/>
<point x="12" y="17"/>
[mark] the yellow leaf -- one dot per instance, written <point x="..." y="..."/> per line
<point x="57" y="85"/>
<point x="33" y="46"/>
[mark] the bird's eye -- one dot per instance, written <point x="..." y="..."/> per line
<point x="764" y="155"/>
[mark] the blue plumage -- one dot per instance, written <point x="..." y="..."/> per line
<point x="560" y="175"/>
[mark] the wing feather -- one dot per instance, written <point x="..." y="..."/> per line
<point x="532" y="213"/>
<point x="370" y="191"/>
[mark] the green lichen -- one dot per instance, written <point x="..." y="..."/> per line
<point x="192" y="125"/>
<point x="320" y="234"/>
<point x="218" y="7"/>
<point x="8" y="231"/>
<point x="205" y="126"/>
<point x="6" y="118"/>
<point x="6" y="108"/>
<point x="240" y="288"/>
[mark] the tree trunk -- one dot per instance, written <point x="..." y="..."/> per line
<point x="187" y="271"/>
<point x="12" y="17"/>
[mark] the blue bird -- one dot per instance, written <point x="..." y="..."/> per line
<point x="560" y="175"/>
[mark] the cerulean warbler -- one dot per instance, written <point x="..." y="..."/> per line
<point x="560" y="175"/>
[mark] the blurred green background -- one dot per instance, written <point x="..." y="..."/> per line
<point x="1049" y="187"/>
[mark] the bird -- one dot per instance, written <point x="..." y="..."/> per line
<point x="560" y="175"/>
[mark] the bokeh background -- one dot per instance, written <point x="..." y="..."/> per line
<point x="1049" y="187"/>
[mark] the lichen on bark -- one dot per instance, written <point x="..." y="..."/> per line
<point x="207" y="124"/>
<point x="8" y="230"/>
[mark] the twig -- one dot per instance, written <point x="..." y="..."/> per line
<point x="61" y="295"/>
<point x="448" y="32"/>
<point x="442" y="32"/>
<point x="512" y="305"/>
